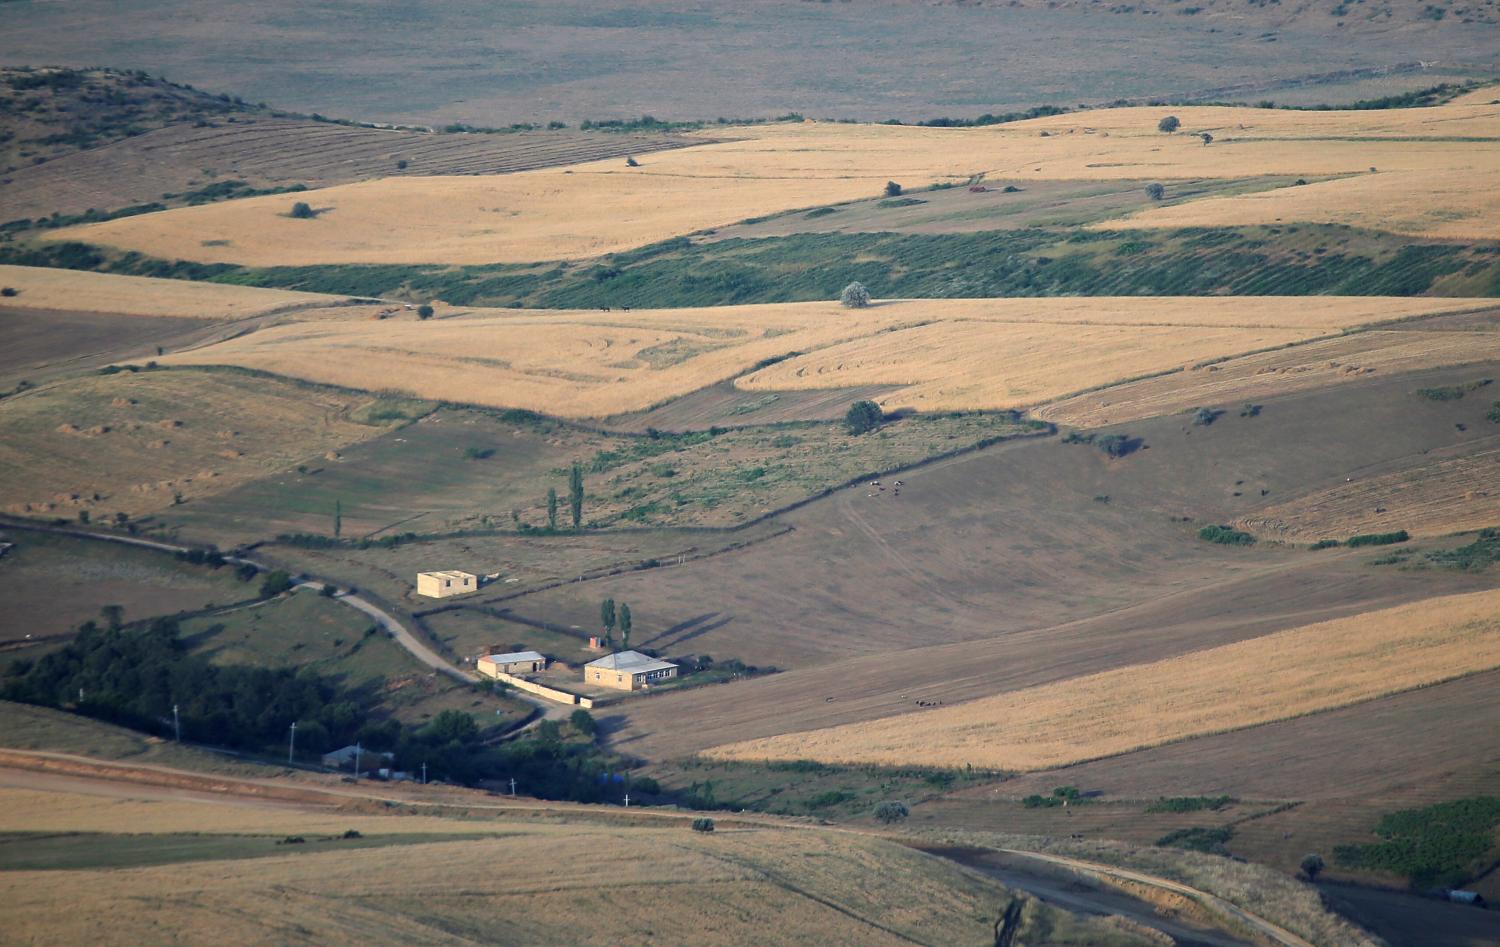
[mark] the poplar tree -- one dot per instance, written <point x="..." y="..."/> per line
<point x="575" y="494"/>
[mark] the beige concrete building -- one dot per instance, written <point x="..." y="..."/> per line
<point x="514" y="662"/>
<point x="444" y="584"/>
<point x="628" y="671"/>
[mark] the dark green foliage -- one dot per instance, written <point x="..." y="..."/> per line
<point x="1325" y="544"/>
<point x="1452" y="392"/>
<point x="478" y="453"/>
<point x="854" y="296"/>
<point x="575" y="494"/>
<point x="863" y="416"/>
<point x="275" y="583"/>
<point x="1226" y="535"/>
<point x="1378" y="539"/>
<point x="1311" y="866"/>
<point x="1190" y="803"/>
<point x="891" y="811"/>
<point x="901" y="202"/>
<point x="831" y="797"/>
<point x="1203" y="417"/>
<point x="583" y="721"/>
<point x="1442" y="844"/>
<point x="1250" y="411"/>
<point x="1155" y="191"/>
<point x="1116" y="445"/>
<point x="1061" y="796"/>
<point x="892" y="189"/>
<point x="703" y="825"/>
<point x="1169" y="124"/>
<point x="424" y="311"/>
<point x="820" y="212"/>
<point x="9" y="292"/>
<point x="552" y="508"/>
<point x="1493" y="414"/>
<point x="302" y="210"/>
<point x="1478" y="555"/>
<point x="1198" y="839"/>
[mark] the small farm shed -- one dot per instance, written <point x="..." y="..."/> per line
<point x="444" y="584"/>
<point x="513" y="662"/>
<point x="628" y="671"/>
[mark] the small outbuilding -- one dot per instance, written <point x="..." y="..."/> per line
<point x="628" y="671"/>
<point x="444" y="584"/>
<point x="514" y="662"/>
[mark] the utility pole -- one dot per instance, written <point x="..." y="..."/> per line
<point x="291" y="744"/>
<point x="512" y="785"/>
<point x="424" y="774"/>
<point x="627" y="800"/>
<point x="176" y="724"/>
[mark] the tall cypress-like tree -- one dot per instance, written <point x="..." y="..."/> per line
<point x="575" y="494"/>
<point x="625" y="625"/>
<point x="338" y="518"/>
<point x="552" y="508"/>
<point x="607" y="619"/>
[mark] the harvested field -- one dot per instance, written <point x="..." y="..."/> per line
<point x="81" y="291"/>
<point x="136" y="442"/>
<point x="586" y="364"/>
<point x="1444" y="495"/>
<point x="1444" y="205"/>
<point x="1294" y="672"/>
<point x="270" y="152"/>
<point x="596" y="208"/>
<point x="1250" y="378"/>
<point x="36" y="340"/>
<point x="571" y="881"/>
<point x="52" y="583"/>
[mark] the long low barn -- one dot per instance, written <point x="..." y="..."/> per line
<point x="513" y="662"/>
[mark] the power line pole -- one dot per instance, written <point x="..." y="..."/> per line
<point x="627" y="800"/>
<point x="291" y="744"/>
<point x="176" y="724"/>
<point x="424" y="774"/>
<point x="512" y="785"/>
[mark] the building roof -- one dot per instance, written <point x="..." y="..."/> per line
<point x="513" y="657"/>
<point x="449" y="574"/>
<point x="630" y="662"/>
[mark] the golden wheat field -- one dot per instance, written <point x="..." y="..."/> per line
<point x="1303" y="670"/>
<point x="1313" y="365"/>
<point x="132" y="443"/>
<point x="1449" y="205"/>
<point x="540" y="883"/>
<point x="81" y="291"/>
<point x="591" y="364"/>
<point x="1444" y="495"/>
<point x="600" y="207"/>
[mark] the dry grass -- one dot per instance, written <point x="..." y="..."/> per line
<point x="131" y="442"/>
<point x="600" y="207"/>
<point x="1445" y="204"/>
<point x="1303" y="670"/>
<point x="80" y="291"/>
<point x="1303" y="367"/>
<point x="589" y="364"/>
<point x="1439" y="497"/>
<point x="545" y="883"/>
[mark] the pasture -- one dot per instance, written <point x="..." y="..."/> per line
<point x="594" y="208"/>
<point x="589" y="364"/>
<point x="82" y="291"/>
<point x="52" y="583"/>
<point x="140" y="442"/>
<point x="1299" y="671"/>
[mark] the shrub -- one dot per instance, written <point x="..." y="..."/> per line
<point x="401" y="165"/>
<point x="855" y="296"/>
<point x="1198" y="839"/>
<point x="1494" y="413"/>
<point x="1203" y="417"/>
<point x="1311" y="865"/>
<point x="1378" y="539"/>
<point x="302" y="210"/>
<point x="275" y="583"/>
<point x="583" y="722"/>
<point x="1250" y="411"/>
<point x="647" y="785"/>
<point x="703" y="825"/>
<point x="892" y="189"/>
<point x="1452" y="392"/>
<point x="1207" y="138"/>
<point x="1156" y="190"/>
<point x="632" y="163"/>
<point x="1442" y="844"/>
<point x="1116" y="445"/>
<point x="1226" y="536"/>
<point x="9" y="291"/>
<point x="424" y="311"/>
<point x="863" y="416"/>
<point x="891" y="811"/>
<point x="1473" y="557"/>
<point x="1190" y="803"/>
<point x="1169" y="124"/>
<point x="1325" y="544"/>
<point x="831" y="797"/>
<point x="478" y="453"/>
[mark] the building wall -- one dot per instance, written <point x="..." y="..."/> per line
<point x="434" y="586"/>
<point x="622" y="681"/>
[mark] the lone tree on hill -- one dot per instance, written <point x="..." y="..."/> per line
<point x="583" y="722"/>
<point x="855" y="296"/>
<point x="552" y="508"/>
<point x="892" y="189"/>
<point x="1169" y="124"/>
<point x="625" y="625"/>
<point x="1156" y="191"/>
<point x="575" y="494"/>
<point x="1207" y="138"/>
<point x="338" y="518"/>
<point x="1311" y="866"/>
<point x="863" y="416"/>
<point x="424" y="311"/>
<point x="607" y="619"/>
<point x="302" y="210"/>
